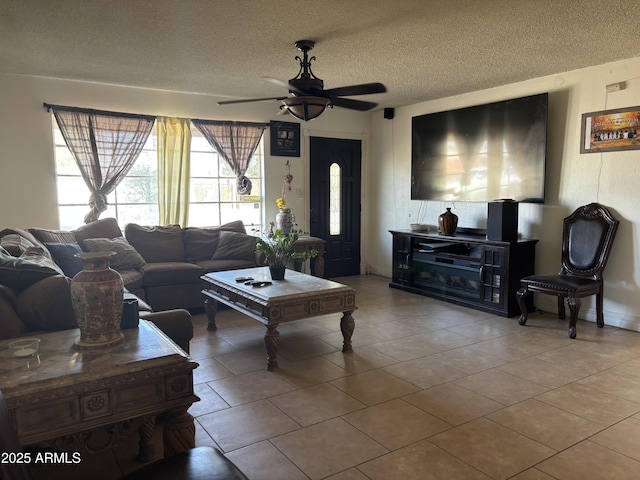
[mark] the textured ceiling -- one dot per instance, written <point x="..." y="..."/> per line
<point x="420" y="49"/>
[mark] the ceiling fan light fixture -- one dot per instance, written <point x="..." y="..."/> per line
<point x="306" y="107"/>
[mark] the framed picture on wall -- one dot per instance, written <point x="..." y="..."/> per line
<point x="285" y="139"/>
<point x="610" y="130"/>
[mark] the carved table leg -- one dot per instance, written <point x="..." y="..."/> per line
<point x="147" y="448"/>
<point x="211" y="308"/>
<point x="271" y="340"/>
<point x="179" y="432"/>
<point x="347" y="324"/>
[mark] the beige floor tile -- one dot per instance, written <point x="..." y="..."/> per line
<point x="327" y="448"/>
<point x="240" y="426"/>
<point x="303" y="348"/>
<point x="545" y="424"/>
<point x="245" y="361"/>
<point x="362" y="359"/>
<point x="420" y="461"/>
<point x="589" y="460"/>
<point x="375" y="386"/>
<point x="623" y="437"/>
<point x="616" y="383"/>
<point x="468" y="359"/>
<point x="396" y="423"/>
<point x="207" y="346"/>
<point x="632" y="367"/>
<point x="209" y="402"/>
<point x="316" y="404"/>
<point x="579" y="357"/>
<point x="533" y="474"/>
<point x="264" y="461"/>
<point x="424" y="372"/>
<point x="350" y="474"/>
<point x="250" y="387"/>
<point x="491" y="448"/>
<point x="210" y="369"/>
<point x="542" y="372"/>
<point x="596" y="406"/>
<point x="500" y="386"/>
<point x="453" y="404"/>
<point x="480" y="331"/>
<point x="305" y="373"/>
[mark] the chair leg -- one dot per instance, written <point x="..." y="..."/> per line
<point x="520" y="296"/>
<point x="561" y="313"/>
<point x="600" y="308"/>
<point x="574" y="308"/>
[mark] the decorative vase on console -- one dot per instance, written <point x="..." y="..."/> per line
<point x="448" y="222"/>
<point x="97" y="297"/>
<point x="284" y="217"/>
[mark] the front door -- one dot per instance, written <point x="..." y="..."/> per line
<point x="334" y="198"/>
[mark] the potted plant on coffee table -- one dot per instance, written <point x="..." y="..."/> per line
<point x="279" y="250"/>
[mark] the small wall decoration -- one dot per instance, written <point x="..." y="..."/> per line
<point x="285" y="139"/>
<point x="610" y="130"/>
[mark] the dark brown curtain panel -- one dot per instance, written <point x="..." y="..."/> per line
<point x="236" y="142"/>
<point x="105" y="146"/>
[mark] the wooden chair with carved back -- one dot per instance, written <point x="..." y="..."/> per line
<point x="587" y="238"/>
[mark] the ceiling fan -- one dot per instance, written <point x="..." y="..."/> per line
<point x="309" y="98"/>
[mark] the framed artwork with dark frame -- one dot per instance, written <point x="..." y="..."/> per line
<point x="285" y="139"/>
<point x="610" y="130"/>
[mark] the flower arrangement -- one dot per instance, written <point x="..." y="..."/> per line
<point x="282" y="205"/>
<point x="278" y="250"/>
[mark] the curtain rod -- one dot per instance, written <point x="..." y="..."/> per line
<point x="48" y="107"/>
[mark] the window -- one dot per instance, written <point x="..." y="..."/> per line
<point x="334" y="199"/>
<point x="214" y="199"/>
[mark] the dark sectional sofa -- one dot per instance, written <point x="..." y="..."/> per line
<point x="160" y="266"/>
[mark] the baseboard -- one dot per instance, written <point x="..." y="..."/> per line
<point x="549" y="303"/>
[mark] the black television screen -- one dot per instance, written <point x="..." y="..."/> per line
<point x="481" y="153"/>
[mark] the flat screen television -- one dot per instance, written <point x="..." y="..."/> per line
<point x="481" y="153"/>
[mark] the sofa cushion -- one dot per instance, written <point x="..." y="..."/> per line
<point x="170" y="273"/>
<point x="10" y="323"/>
<point x="31" y="267"/>
<point x="103" y="228"/>
<point x="200" y="243"/>
<point x="220" y="265"/>
<point x="126" y="256"/>
<point x="156" y="244"/>
<point x="235" y="246"/>
<point x="46" y="305"/>
<point x="64" y="256"/>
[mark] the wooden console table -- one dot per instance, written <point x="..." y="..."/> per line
<point x="86" y="401"/>
<point x="306" y="244"/>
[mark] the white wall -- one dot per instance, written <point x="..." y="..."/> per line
<point x="27" y="183"/>
<point x="573" y="179"/>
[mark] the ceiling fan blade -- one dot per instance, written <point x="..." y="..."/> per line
<point x="292" y="88"/>
<point x="363" y="89"/>
<point x="352" y="104"/>
<point x="247" y="100"/>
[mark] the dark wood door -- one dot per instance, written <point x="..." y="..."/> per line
<point x="335" y="202"/>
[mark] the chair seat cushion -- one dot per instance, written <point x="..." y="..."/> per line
<point x="567" y="284"/>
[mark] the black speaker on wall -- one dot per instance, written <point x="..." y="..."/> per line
<point x="389" y="113"/>
<point x="502" y="221"/>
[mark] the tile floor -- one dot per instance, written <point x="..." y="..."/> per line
<point x="431" y="391"/>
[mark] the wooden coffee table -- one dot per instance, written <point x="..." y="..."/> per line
<point x="296" y="297"/>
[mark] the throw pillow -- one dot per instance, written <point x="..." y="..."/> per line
<point x="15" y="244"/>
<point x="64" y="256"/>
<point x="19" y="272"/>
<point x="235" y="246"/>
<point x="126" y="256"/>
